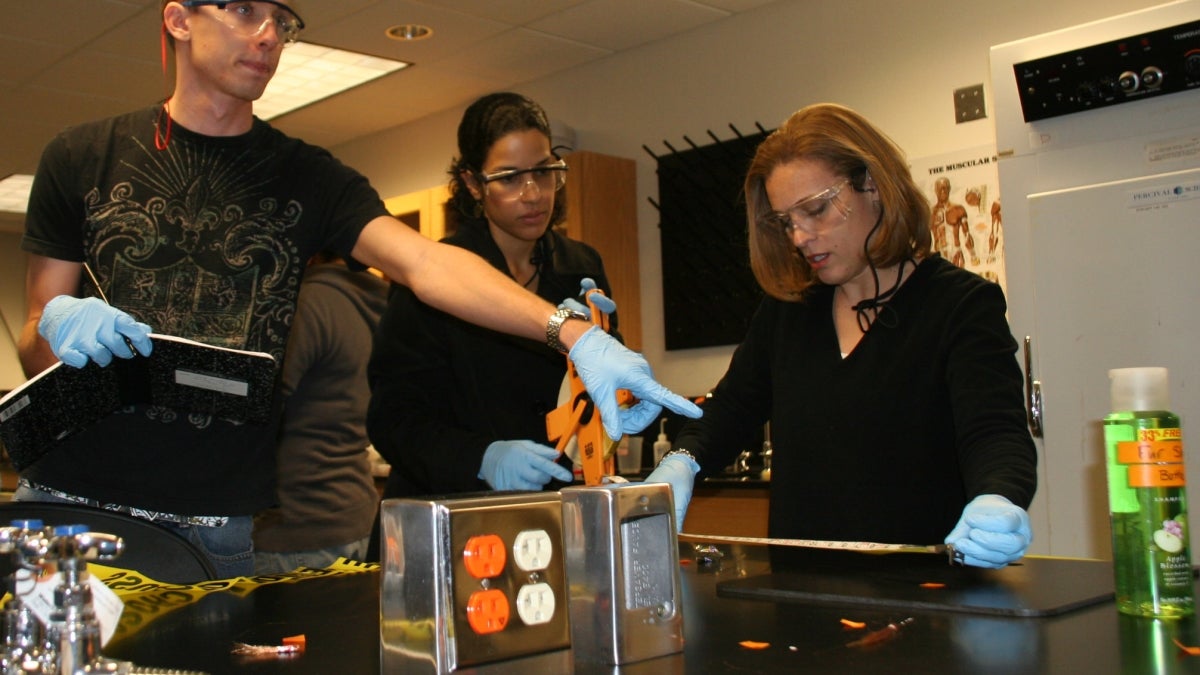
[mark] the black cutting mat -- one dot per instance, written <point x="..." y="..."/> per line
<point x="1033" y="587"/>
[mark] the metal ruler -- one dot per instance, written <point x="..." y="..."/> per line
<point x="858" y="546"/>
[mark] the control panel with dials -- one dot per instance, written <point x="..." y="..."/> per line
<point x="1158" y="62"/>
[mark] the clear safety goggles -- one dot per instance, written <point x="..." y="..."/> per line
<point x="251" y="17"/>
<point x="512" y="183"/>
<point x="815" y="214"/>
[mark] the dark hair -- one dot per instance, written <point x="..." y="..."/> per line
<point x="854" y="148"/>
<point x="483" y="123"/>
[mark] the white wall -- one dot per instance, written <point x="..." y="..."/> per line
<point x="896" y="61"/>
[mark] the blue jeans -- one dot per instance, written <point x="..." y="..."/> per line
<point x="282" y="562"/>
<point x="229" y="548"/>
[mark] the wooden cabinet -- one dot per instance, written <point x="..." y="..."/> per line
<point x="739" y="511"/>
<point x="423" y="210"/>
<point x="601" y="198"/>
<point x="602" y="212"/>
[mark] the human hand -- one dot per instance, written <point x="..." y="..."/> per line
<point x="603" y="302"/>
<point x="82" y="328"/>
<point x="605" y="365"/>
<point x="992" y="532"/>
<point x="679" y="471"/>
<point x="521" y="465"/>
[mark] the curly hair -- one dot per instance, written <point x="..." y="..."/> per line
<point x="483" y="123"/>
<point x="854" y="148"/>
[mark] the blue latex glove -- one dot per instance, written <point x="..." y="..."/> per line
<point x="603" y="302"/>
<point x="521" y="465"/>
<point x="82" y="328"/>
<point x="992" y="532"/>
<point x="605" y="365"/>
<point x="678" y="471"/>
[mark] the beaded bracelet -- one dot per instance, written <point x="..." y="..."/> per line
<point x="680" y="451"/>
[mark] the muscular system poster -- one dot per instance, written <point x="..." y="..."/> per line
<point x="964" y="199"/>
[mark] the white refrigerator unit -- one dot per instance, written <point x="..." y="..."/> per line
<point x="1098" y="135"/>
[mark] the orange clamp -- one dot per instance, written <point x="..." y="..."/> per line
<point x="579" y="418"/>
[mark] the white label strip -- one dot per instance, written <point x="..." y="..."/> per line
<point x="221" y="384"/>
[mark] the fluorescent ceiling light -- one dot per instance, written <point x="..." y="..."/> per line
<point x="14" y="192"/>
<point x="308" y="73"/>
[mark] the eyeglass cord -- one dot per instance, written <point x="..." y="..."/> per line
<point x="877" y="308"/>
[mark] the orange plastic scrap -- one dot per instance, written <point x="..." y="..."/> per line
<point x="296" y="640"/>
<point x="1190" y="651"/>
<point x="853" y="624"/>
<point x="933" y="584"/>
<point x="751" y="644"/>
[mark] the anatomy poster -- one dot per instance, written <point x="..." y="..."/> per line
<point x="964" y="198"/>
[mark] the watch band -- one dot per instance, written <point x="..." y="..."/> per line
<point x="554" y="327"/>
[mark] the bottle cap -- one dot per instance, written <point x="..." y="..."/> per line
<point x="1139" y="389"/>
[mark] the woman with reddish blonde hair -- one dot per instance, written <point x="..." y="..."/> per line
<point x="888" y="375"/>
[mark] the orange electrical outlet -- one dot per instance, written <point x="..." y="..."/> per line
<point x="484" y="556"/>
<point x="487" y="611"/>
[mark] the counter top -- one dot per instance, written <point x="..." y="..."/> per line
<point x="339" y="614"/>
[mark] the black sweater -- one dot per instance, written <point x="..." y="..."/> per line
<point x="891" y="442"/>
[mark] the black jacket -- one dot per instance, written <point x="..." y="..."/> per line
<point x="442" y="389"/>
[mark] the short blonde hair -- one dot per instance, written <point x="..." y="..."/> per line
<point x="851" y="147"/>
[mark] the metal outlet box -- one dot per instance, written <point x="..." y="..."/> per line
<point x="623" y="563"/>
<point x="473" y="580"/>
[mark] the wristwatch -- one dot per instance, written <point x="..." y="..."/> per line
<point x="554" y="327"/>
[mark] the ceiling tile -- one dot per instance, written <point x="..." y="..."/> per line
<point x="68" y="22"/>
<point x="520" y="55"/>
<point x="21" y="60"/>
<point x="621" y="24"/>
<point x="364" y="31"/>
<point x="139" y="37"/>
<point x="515" y="12"/>
<point x="89" y="73"/>
<point x="734" y="5"/>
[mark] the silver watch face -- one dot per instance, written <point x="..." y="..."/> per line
<point x="554" y="327"/>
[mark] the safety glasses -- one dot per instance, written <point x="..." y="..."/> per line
<point x="815" y="214"/>
<point x="512" y="183"/>
<point x="251" y="17"/>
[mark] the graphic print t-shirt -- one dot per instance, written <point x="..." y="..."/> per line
<point x="206" y="239"/>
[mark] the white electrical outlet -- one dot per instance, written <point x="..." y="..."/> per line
<point x="535" y="604"/>
<point x="533" y="550"/>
